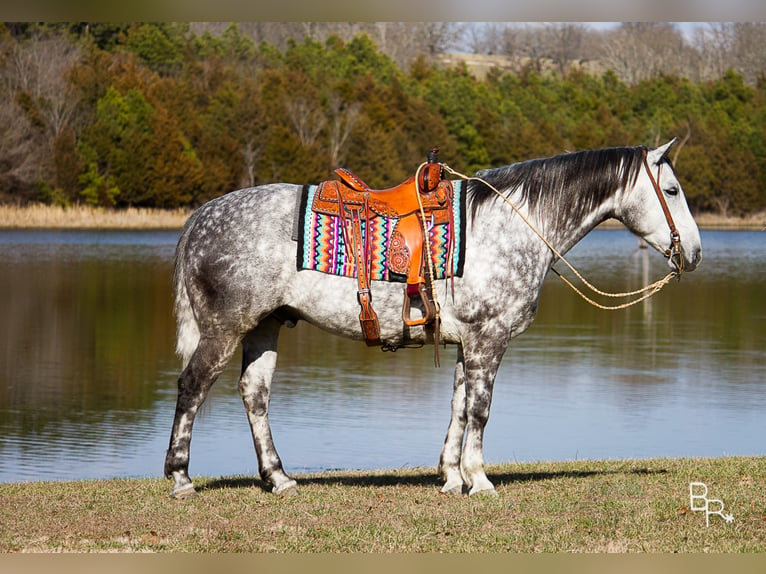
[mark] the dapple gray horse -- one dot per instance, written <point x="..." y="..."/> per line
<point x="236" y="282"/>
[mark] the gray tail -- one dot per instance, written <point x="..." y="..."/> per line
<point x="187" y="329"/>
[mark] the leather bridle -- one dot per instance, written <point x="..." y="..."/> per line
<point x="675" y="238"/>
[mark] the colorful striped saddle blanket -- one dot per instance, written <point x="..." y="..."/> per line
<point x="321" y="246"/>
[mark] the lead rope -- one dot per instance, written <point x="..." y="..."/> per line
<point x="648" y="291"/>
<point x="432" y="286"/>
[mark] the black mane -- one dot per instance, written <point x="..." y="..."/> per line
<point x="570" y="184"/>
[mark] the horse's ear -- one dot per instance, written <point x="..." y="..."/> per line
<point x="655" y="155"/>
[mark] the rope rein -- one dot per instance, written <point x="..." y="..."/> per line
<point x="647" y="291"/>
<point x="427" y="238"/>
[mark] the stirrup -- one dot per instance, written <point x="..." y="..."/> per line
<point x="428" y="305"/>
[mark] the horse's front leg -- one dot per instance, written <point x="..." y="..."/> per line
<point x="449" y="461"/>
<point x="259" y="360"/>
<point x="481" y="359"/>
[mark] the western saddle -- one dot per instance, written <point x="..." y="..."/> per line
<point x="425" y="195"/>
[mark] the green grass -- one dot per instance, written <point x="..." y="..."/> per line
<point x="589" y="506"/>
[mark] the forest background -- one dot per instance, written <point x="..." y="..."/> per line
<point x="173" y="114"/>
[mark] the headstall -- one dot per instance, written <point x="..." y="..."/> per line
<point x="675" y="239"/>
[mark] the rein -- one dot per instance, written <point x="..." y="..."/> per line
<point x="647" y="291"/>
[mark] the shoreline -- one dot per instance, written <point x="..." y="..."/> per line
<point x="40" y="216"/>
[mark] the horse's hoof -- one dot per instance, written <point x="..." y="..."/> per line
<point x="184" y="492"/>
<point x="287" y="489"/>
<point x="290" y="491"/>
<point x="456" y="489"/>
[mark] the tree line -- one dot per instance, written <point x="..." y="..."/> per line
<point x="172" y="114"/>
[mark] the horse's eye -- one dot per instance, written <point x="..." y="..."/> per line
<point x="673" y="190"/>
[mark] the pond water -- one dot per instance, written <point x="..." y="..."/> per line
<point x="88" y="374"/>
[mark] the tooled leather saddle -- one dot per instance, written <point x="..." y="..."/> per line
<point x="427" y="194"/>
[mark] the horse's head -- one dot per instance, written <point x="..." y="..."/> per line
<point x="656" y="209"/>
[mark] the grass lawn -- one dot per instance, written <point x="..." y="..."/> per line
<point x="584" y="506"/>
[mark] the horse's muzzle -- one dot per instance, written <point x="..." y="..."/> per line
<point x="680" y="261"/>
<point x="696" y="257"/>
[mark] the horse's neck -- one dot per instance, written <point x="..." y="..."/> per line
<point x="575" y="233"/>
<point x="564" y="232"/>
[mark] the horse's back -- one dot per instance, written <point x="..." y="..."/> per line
<point x="240" y="216"/>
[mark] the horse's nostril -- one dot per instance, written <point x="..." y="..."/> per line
<point x="695" y="259"/>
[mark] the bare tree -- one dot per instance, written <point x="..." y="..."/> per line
<point x="250" y="154"/>
<point x="638" y="51"/>
<point x="38" y="69"/>
<point x="714" y="44"/>
<point x="343" y="118"/>
<point x="485" y="37"/>
<point x="536" y="44"/>
<point x="38" y="105"/>
<point x="394" y="40"/>
<point x="510" y="44"/>
<point x="436" y="37"/>
<point x="400" y="41"/>
<point x="749" y="49"/>
<point x="19" y="164"/>
<point x="539" y="44"/>
<point x="275" y="33"/>
<point x="625" y="54"/>
<point x="565" y="44"/>
<point x="307" y="119"/>
<point x="476" y="37"/>
<point x="403" y="42"/>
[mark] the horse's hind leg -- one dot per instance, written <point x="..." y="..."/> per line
<point x="205" y="365"/>
<point x="259" y="359"/>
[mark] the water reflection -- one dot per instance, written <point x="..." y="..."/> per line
<point x="87" y="371"/>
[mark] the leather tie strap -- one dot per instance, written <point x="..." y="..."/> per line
<point x="675" y="238"/>
<point x="352" y="235"/>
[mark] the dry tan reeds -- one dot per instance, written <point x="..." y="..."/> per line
<point x="753" y="221"/>
<point x="87" y="217"/>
